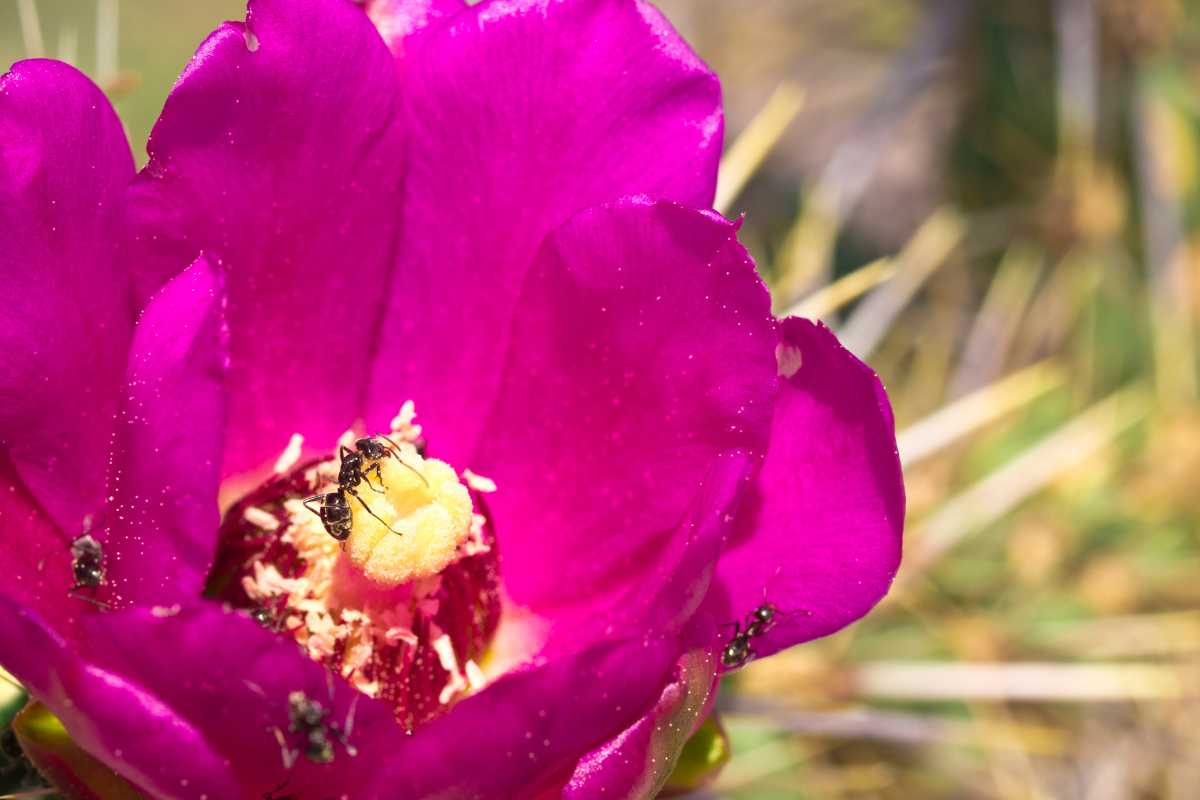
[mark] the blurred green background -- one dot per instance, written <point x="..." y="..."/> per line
<point x="996" y="205"/>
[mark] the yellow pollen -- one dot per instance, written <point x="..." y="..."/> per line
<point x="427" y="509"/>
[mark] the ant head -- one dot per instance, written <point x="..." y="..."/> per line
<point x="371" y="447"/>
<point x="305" y="714"/>
<point x="765" y="613"/>
<point x="86" y="546"/>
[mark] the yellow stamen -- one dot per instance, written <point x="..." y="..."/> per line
<point x="425" y="502"/>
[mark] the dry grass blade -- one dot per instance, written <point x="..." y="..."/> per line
<point x="1076" y="30"/>
<point x="1133" y="636"/>
<point x="1157" y="130"/>
<point x="803" y="264"/>
<point x="1042" y="682"/>
<point x="896" y="727"/>
<point x="825" y="301"/>
<point x="1023" y="476"/>
<point x="925" y="252"/>
<point x="747" y="154"/>
<point x="31" y="29"/>
<point x="952" y="422"/>
<point x="999" y="319"/>
<point x="107" y="41"/>
<point x="68" y="45"/>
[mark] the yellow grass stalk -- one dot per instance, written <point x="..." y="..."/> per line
<point x="747" y="154"/>
<point x="964" y="416"/>
<point x="1040" y="465"/>
<point x="828" y="299"/>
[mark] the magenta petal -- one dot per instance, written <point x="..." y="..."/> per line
<point x="185" y="702"/>
<point x="162" y="521"/>
<point x="34" y="557"/>
<point x="278" y="155"/>
<point x="124" y="724"/>
<point x="523" y="734"/>
<point x="638" y="761"/>
<point x="66" y="322"/>
<point x="521" y="114"/>
<point x="636" y="394"/>
<point x="820" y="535"/>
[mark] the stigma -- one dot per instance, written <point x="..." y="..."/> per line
<point x="413" y="523"/>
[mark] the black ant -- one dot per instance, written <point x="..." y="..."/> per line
<point x="269" y="618"/>
<point x="356" y="467"/>
<point x="87" y="562"/>
<point x="308" y="717"/>
<point x="739" y="652"/>
<point x="87" y="566"/>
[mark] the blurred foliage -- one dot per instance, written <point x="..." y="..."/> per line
<point x="1042" y="638"/>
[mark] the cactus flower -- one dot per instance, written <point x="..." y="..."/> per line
<point x="409" y="425"/>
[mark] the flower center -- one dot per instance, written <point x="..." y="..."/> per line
<point x="376" y="562"/>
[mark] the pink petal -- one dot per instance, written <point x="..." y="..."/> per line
<point x="196" y="711"/>
<point x="520" y="115"/>
<point x="638" y="761"/>
<point x="820" y="536"/>
<point x="162" y="522"/>
<point x="521" y="736"/>
<point x="635" y="399"/>
<point x="184" y="701"/>
<point x="124" y="724"/>
<point x="279" y="156"/>
<point x="67" y="319"/>
<point x="35" y="557"/>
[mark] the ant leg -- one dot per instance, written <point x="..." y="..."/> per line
<point x="378" y="476"/>
<point x="271" y="795"/>
<point x="801" y="611"/>
<point x="100" y="604"/>
<point x="289" y="755"/>
<point x="343" y="736"/>
<point x="363" y="503"/>
<point x="308" y="500"/>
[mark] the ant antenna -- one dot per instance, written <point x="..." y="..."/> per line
<point x="394" y="452"/>
<point x="288" y="754"/>
<point x="363" y="503"/>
